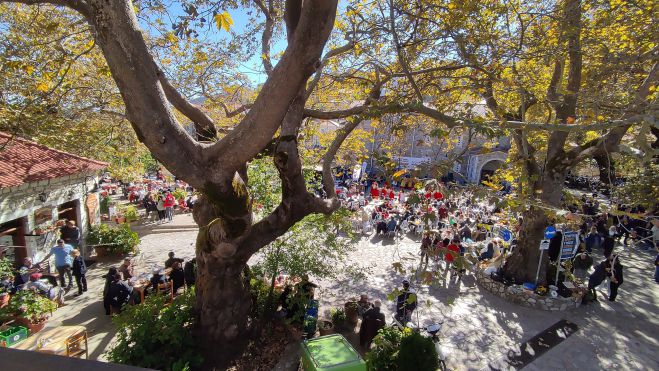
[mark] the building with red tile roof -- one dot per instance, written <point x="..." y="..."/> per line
<point x="23" y="161"/>
<point x="40" y="188"/>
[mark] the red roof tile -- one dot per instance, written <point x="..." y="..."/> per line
<point x="24" y="161"/>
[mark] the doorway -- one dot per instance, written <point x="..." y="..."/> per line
<point x="69" y="211"/>
<point x="12" y="240"/>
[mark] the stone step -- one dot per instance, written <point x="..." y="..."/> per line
<point x="173" y="230"/>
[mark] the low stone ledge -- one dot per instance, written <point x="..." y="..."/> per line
<point x="518" y="295"/>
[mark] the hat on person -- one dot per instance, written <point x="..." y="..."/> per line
<point x="406" y="283"/>
<point x="35" y="277"/>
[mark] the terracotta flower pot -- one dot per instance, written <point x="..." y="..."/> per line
<point x="325" y="327"/>
<point x="4" y="299"/>
<point x="351" y="312"/>
<point x="33" y="327"/>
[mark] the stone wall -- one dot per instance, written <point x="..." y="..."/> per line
<point x="22" y="202"/>
<point x="517" y="295"/>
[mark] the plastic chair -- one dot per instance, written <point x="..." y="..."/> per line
<point x="405" y="227"/>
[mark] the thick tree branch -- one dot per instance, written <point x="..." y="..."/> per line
<point x="401" y="54"/>
<point x="269" y="13"/>
<point x="298" y="62"/>
<point x="204" y="125"/>
<point x="609" y="143"/>
<point x="328" y="158"/>
<point x="77" y="5"/>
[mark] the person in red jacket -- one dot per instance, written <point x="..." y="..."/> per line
<point x="375" y="192"/>
<point x="169" y="203"/>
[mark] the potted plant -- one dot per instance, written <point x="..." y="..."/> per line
<point x="119" y="240"/>
<point x="351" y="311"/>
<point x="339" y="318"/>
<point x="4" y="297"/>
<point x="325" y="327"/>
<point x="30" y="309"/>
<point x="6" y="272"/>
<point x="130" y="213"/>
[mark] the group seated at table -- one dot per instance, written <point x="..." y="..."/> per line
<point x="123" y="286"/>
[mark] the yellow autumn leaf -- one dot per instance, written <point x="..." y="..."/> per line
<point x="223" y="21"/>
<point x="42" y="87"/>
<point x="28" y="69"/>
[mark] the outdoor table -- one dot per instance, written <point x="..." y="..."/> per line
<point x="51" y="341"/>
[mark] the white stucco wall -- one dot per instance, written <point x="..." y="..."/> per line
<point x="23" y="201"/>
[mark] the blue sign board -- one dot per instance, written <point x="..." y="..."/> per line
<point x="550" y="232"/>
<point x="505" y="235"/>
<point x="570" y="245"/>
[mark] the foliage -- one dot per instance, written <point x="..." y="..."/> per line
<point x="386" y="345"/>
<point x="641" y="186"/>
<point x="29" y="304"/>
<point x="157" y="335"/>
<point x="119" y="240"/>
<point x="104" y="204"/>
<point x="179" y="194"/>
<point x="260" y="292"/>
<point x="417" y="353"/>
<point x="338" y="316"/>
<point x="6" y="268"/>
<point x="131" y="213"/>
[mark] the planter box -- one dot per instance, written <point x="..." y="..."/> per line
<point x="34" y="328"/>
<point x="332" y="352"/>
<point x="12" y="336"/>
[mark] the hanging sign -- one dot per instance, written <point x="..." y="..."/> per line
<point x="570" y="244"/>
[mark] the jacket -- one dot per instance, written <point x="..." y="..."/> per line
<point x="79" y="267"/>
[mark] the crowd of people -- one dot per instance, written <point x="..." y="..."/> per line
<point x="455" y="222"/>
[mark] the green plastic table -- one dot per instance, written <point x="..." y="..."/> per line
<point x="331" y="352"/>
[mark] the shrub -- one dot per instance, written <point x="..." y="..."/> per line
<point x="131" y="213"/>
<point x="338" y="316"/>
<point x="6" y="268"/>
<point x="104" y="205"/>
<point x="156" y="335"/>
<point x="119" y="240"/>
<point x="417" y="353"/>
<point x="384" y="353"/>
<point x="29" y="304"/>
<point x="179" y="194"/>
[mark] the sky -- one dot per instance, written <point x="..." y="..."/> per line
<point x="253" y="67"/>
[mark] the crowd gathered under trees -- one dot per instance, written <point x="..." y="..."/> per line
<point x="566" y="80"/>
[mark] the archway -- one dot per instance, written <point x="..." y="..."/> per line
<point x="488" y="169"/>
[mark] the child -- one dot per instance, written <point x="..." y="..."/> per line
<point x="79" y="271"/>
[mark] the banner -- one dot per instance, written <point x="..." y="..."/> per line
<point x="570" y="245"/>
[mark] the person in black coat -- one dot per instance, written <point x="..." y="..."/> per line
<point x="555" y="246"/>
<point x="117" y="295"/>
<point x="79" y="270"/>
<point x="608" y="245"/>
<point x="109" y="277"/>
<point x="405" y="304"/>
<point x="177" y="276"/>
<point x="372" y="321"/>
<point x="616" y="277"/>
<point x="190" y="271"/>
<point x="602" y="270"/>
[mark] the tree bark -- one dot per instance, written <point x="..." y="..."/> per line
<point x="523" y="264"/>
<point x="606" y="168"/>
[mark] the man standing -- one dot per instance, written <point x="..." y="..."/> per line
<point x="373" y="320"/>
<point x="405" y="304"/>
<point x="70" y="233"/>
<point x="63" y="261"/>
